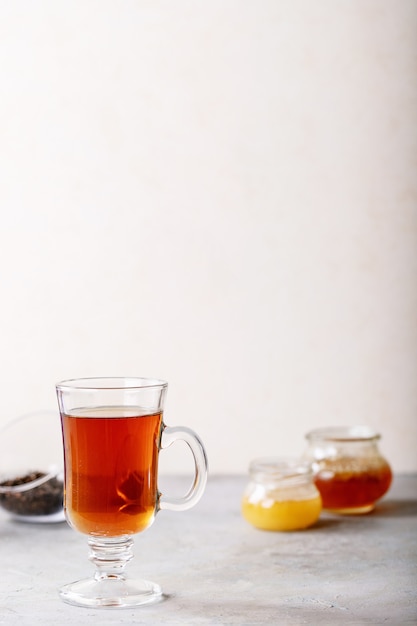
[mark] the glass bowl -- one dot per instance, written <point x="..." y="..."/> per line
<point x="31" y="468"/>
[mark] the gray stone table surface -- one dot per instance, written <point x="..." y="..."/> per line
<point x="216" y="569"/>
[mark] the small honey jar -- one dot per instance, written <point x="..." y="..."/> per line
<point x="349" y="471"/>
<point x="281" y="495"/>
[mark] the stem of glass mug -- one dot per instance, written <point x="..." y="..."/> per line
<point x="110" y="555"/>
<point x="182" y="433"/>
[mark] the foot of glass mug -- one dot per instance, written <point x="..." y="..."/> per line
<point x="111" y="592"/>
<point x="110" y="587"/>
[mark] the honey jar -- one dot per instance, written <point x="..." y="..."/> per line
<point x="281" y="495"/>
<point x="349" y="470"/>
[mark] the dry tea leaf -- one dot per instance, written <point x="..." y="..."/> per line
<point x="44" y="499"/>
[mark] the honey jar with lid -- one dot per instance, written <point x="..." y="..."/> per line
<point x="349" y="470"/>
<point x="281" y="495"/>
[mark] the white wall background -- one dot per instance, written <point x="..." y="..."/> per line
<point x="222" y="194"/>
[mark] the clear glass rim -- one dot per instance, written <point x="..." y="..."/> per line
<point x="111" y="383"/>
<point x="343" y="434"/>
<point x="280" y="467"/>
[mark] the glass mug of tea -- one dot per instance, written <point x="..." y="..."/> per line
<point x="113" y="431"/>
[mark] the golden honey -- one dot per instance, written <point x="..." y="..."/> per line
<point x="281" y="496"/>
<point x="282" y="515"/>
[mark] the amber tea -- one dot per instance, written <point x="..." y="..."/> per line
<point x="111" y="465"/>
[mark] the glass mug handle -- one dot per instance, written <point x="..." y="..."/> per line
<point x="182" y="433"/>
